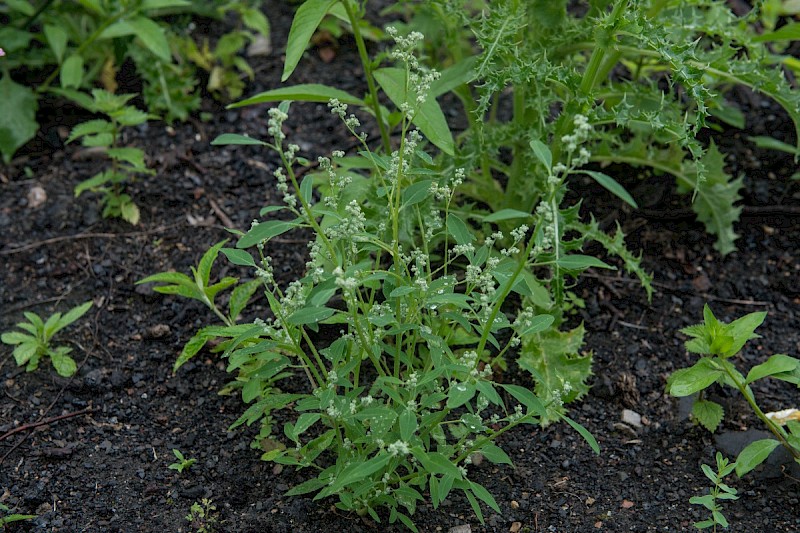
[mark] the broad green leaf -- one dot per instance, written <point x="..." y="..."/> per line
<point x="26" y="8"/>
<point x="495" y="454"/>
<point x="239" y="257"/>
<point x="459" y="229"/>
<point x="310" y="92"/>
<point x="416" y="192"/>
<point x="459" y="394"/>
<point x="18" y="109"/>
<point x="612" y="186"/>
<point x="454" y="76"/>
<point x="63" y="363"/>
<point x="436" y="463"/>
<point x="306" y="20"/>
<point x="408" y="424"/>
<point x="25" y="352"/>
<point x="233" y="138"/>
<point x="754" y="454"/>
<point x="506" y="214"/>
<point x="709" y="414"/>
<point x="687" y="381"/>
<point x="581" y="262"/>
<point x="537" y="324"/>
<point x="310" y="315"/>
<point x="776" y="364"/>
<point x="429" y="117"/>
<point x="15" y="337"/>
<point x="542" y="153"/>
<point x="57" y="39"/>
<point x="91" y="127"/>
<point x="742" y="330"/>
<point x="152" y="36"/>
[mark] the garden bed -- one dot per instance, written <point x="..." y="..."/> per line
<point x="103" y="465"/>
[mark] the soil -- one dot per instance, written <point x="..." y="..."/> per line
<point x="102" y="465"/>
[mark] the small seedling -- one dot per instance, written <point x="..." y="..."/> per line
<point x="182" y="463"/>
<point x="6" y="519"/>
<point x="203" y="516"/>
<point x="719" y="342"/>
<point x="32" y="346"/>
<point x="720" y="491"/>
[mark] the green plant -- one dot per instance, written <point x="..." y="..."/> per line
<point x="202" y="516"/>
<point x="719" y="343"/>
<point x="30" y="347"/>
<point x="125" y="161"/>
<point x="74" y="44"/>
<point x="182" y="463"/>
<point x="9" y="518"/>
<point x="720" y="491"/>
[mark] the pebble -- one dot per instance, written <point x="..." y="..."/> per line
<point x="632" y="418"/>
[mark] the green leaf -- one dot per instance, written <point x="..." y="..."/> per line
<point x="429" y="117"/>
<point x="484" y="495"/>
<point x="306" y="20"/>
<point x="416" y="192"/>
<point x="152" y="36"/>
<point x="310" y="315"/>
<point x="459" y="394"/>
<point x="309" y="92"/>
<point x="233" y="138"/>
<point x="612" y="186"/>
<point x="16" y="337"/>
<point x="18" y="109"/>
<point x="770" y="143"/>
<point x="777" y="364"/>
<point x="26" y="351"/>
<point x="239" y="257"/>
<point x="554" y="358"/>
<point x="581" y="262"/>
<point x="588" y="437"/>
<point x="542" y="153"/>
<point x="191" y="348"/>
<point x="526" y="398"/>
<point x="687" y="381"/>
<point x="264" y="231"/>
<point x="754" y="454"/>
<point x="57" y="39"/>
<point x="495" y="454"/>
<point x="71" y="74"/>
<point x="161" y="4"/>
<point x="788" y="32"/>
<point x="305" y="487"/>
<point x="91" y="127"/>
<point x="506" y="214"/>
<point x="255" y="20"/>
<point x="359" y="470"/>
<point x="709" y="414"/>
<point x="63" y="363"/>
<point x="537" y="324"/>
<point x="408" y="424"/>
<point x="132" y="156"/>
<point x="741" y="330"/>
<point x="436" y="463"/>
<point x="240" y="297"/>
<point x="459" y="229"/>
<point x="72" y="315"/>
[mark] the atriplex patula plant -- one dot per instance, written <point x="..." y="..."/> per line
<point x="31" y="347"/>
<point x="720" y="491"/>
<point x="420" y="300"/>
<point x="126" y="161"/>
<point x="718" y="343"/>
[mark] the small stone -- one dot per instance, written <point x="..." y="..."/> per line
<point x="514" y="504"/>
<point x="465" y="528"/>
<point x="159" y="331"/>
<point x="36" y="197"/>
<point x="259" y="47"/>
<point x="632" y="418"/>
<point x="515" y="527"/>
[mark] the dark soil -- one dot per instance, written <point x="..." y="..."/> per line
<point x="103" y="466"/>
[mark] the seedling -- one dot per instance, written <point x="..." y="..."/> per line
<point x="35" y="344"/>
<point x="6" y="519"/>
<point x="203" y="516"/>
<point x="718" y="343"/>
<point x="182" y="463"/>
<point x="720" y="491"/>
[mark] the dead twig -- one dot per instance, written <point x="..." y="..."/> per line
<point x="54" y="240"/>
<point x="33" y="425"/>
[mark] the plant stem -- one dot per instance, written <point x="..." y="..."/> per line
<point x="367" y="65"/>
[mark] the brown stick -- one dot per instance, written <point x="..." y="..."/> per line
<point x="33" y="425"/>
<point x="54" y="240"/>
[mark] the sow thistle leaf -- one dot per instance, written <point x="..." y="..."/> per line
<point x="708" y="414"/>
<point x="553" y="358"/>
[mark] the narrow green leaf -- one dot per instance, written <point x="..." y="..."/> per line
<point x="459" y="394"/>
<point x="264" y="231"/>
<point x="612" y="186"/>
<point x="236" y="139"/>
<point x="588" y="437"/>
<point x="771" y="143"/>
<point x="57" y="39"/>
<point x="436" y="463"/>
<point x="542" y="153"/>
<point x="18" y="109"/>
<point x="203" y="273"/>
<point x="581" y="262"/>
<point x="71" y="74"/>
<point x="306" y="20"/>
<point x="309" y="92"/>
<point x="506" y="214"/>
<point x="240" y="296"/>
<point x="416" y="192"/>
<point x="408" y="424"/>
<point x="459" y="229"/>
<point x="495" y="454"/>
<point x="72" y="315"/>
<point x="537" y="324"/>
<point x="152" y="36"/>
<point x="310" y="315"/>
<point x="789" y="32"/>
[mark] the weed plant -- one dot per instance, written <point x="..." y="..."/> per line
<point x="33" y="345"/>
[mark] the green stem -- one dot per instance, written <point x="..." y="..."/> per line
<point x="367" y="65"/>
